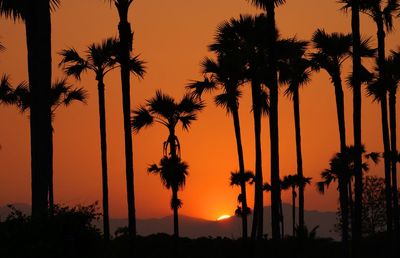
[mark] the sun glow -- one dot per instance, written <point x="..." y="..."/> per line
<point x="222" y="217"/>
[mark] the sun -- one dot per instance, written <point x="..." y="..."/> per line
<point x="223" y="217"/>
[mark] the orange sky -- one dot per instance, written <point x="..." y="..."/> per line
<point x="172" y="36"/>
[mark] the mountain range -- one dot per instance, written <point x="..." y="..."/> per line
<point x="195" y="227"/>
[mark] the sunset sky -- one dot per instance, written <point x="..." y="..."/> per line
<point x="172" y="37"/>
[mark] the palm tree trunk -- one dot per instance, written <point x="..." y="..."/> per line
<point x="351" y="205"/>
<point x="343" y="192"/>
<point x="296" y="107"/>
<point x="358" y="185"/>
<point x="273" y="124"/>
<point x="293" y="211"/>
<point x="103" y="144"/>
<point x="238" y="137"/>
<point x="51" y="182"/>
<point x="175" y="208"/>
<point x="385" y="126"/>
<point x="257" y="226"/>
<point x="393" y="138"/>
<point x="38" y="37"/>
<point x="281" y="219"/>
<point x="126" y="36"/>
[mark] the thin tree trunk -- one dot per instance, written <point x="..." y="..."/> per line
<point x="238" y="137"/>
<point x="358" y="185"/>
<point x="343" y="192"/>
<point x="393" y="138"/>
<point x="294" y="211"/>
<point x="273" y="124"/>
<point x="175" y="208"/>
<point x="38" y="37"/>
<point x="257" y="226"/>
<point x="385" y="126"/>
<point x="296" y="107"/>
<point x="103" y="144"/>
<point x="51" y="182"/>
<point x="126" y="36"/>
<point x="351" y="204"/>
<point x="173" y="153"/>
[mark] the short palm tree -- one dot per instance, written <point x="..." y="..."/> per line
<point x="163" y="109"/>
<point x="331" y="52"/>
<point x="173" y="172"/>
<point x="292" y="182"/>
<point x="237" y="178"/>
<point x="226" y="74"/>
<point x="37" y="18"/>
<point x="100" y="59"/>
<point x="296" y="72"/>
<point x="124" y="52"/>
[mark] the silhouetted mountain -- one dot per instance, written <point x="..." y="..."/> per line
<point x="231" y="228"/>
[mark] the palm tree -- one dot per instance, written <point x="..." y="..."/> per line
<point x="173" y="172"/>
<point x="125" y="48"/>
<point x="382" y="12"/>
<point x="101" y="59"/>
<point x="7" y="96"/>
<point x="272" y="77"/>
<point x="293" y="181"/>
<point x="164" y="110"/>
<point x="331" y="52"/>
<point x="227" y="74"/>
<point x="296" y="73"/>
<point x="37" y="18"/>
<point x="236" y="179"/>
<point x="246" y="36"/>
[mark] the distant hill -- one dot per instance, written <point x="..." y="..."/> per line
<point x="231" y="228"/>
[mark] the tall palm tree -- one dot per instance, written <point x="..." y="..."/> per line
<point x="296" y="73"/>
<point x="246" y="36"/>
<point x="226" y="73"/>
<point x="331" y="52"/>
<point x="293" y="182"/>
<point x="382" y="12"/>
<point x="163" y="109"/>
<point x="37" y="19"/>
<point x="100" y="59"/>
<point x="173" y="172"/>
<point x="125" y="48"/>
<point x="272" y="77"/>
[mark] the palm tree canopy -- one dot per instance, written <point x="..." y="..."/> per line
<point x="163" y="109"/>
<point x="236" y="177"/>
<point x="17" y="9"/>
<point x="100" y="58"/>
<point x="61" y="94"/>
<point x="172" y="170"/>
<point x="293" y="181"/>
<point x="263" y="4"/>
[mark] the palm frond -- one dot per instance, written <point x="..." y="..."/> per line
<point x="14" y="9"/>
<point x="141" y="118"/>
<point x="137" y="66"/>
<point x="197" y="88"/>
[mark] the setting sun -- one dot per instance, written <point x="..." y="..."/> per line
<point x="223" y="217"/>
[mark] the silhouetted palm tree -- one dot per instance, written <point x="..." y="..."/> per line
<point x="236" y="179"/>
<point x="164" y="110"/>
<point x="173" y="173"/>
<point x="272" y="77"/>
<point x="296" y="73"/>
<point x="37" y="19"/>
<point x="332" y="50"/>
<point x="246" y="36"/>
<point x="125" y="48"/>
<point x="7" y="96"/>
<point x="291" y="182"/>
<point x="382" y="12"/>
<point x="226" y="73"/>
<point x="101" y="59"/>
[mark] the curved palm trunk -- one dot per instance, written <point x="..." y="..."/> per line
<point x="257" y="226"/>
<point x="103" y="144"/>
<point x="293" y="211"/>
<point x="38" y="37"/>
<point x="296" y="107"/>
<point x="126" y="36"/>
<point x="273" y="122"/>
<point x="238" y="137"/>
<point x="385" y="126"/>
<point x="51" y="181"/>
<point x="393" y="134"/>
<point x="358" y="185"/>
<point x="343" y="192"/>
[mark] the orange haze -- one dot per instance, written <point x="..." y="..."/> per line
<point x="172" y="36"/>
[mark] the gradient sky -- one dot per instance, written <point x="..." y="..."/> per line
<point x="172" y="36"/>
